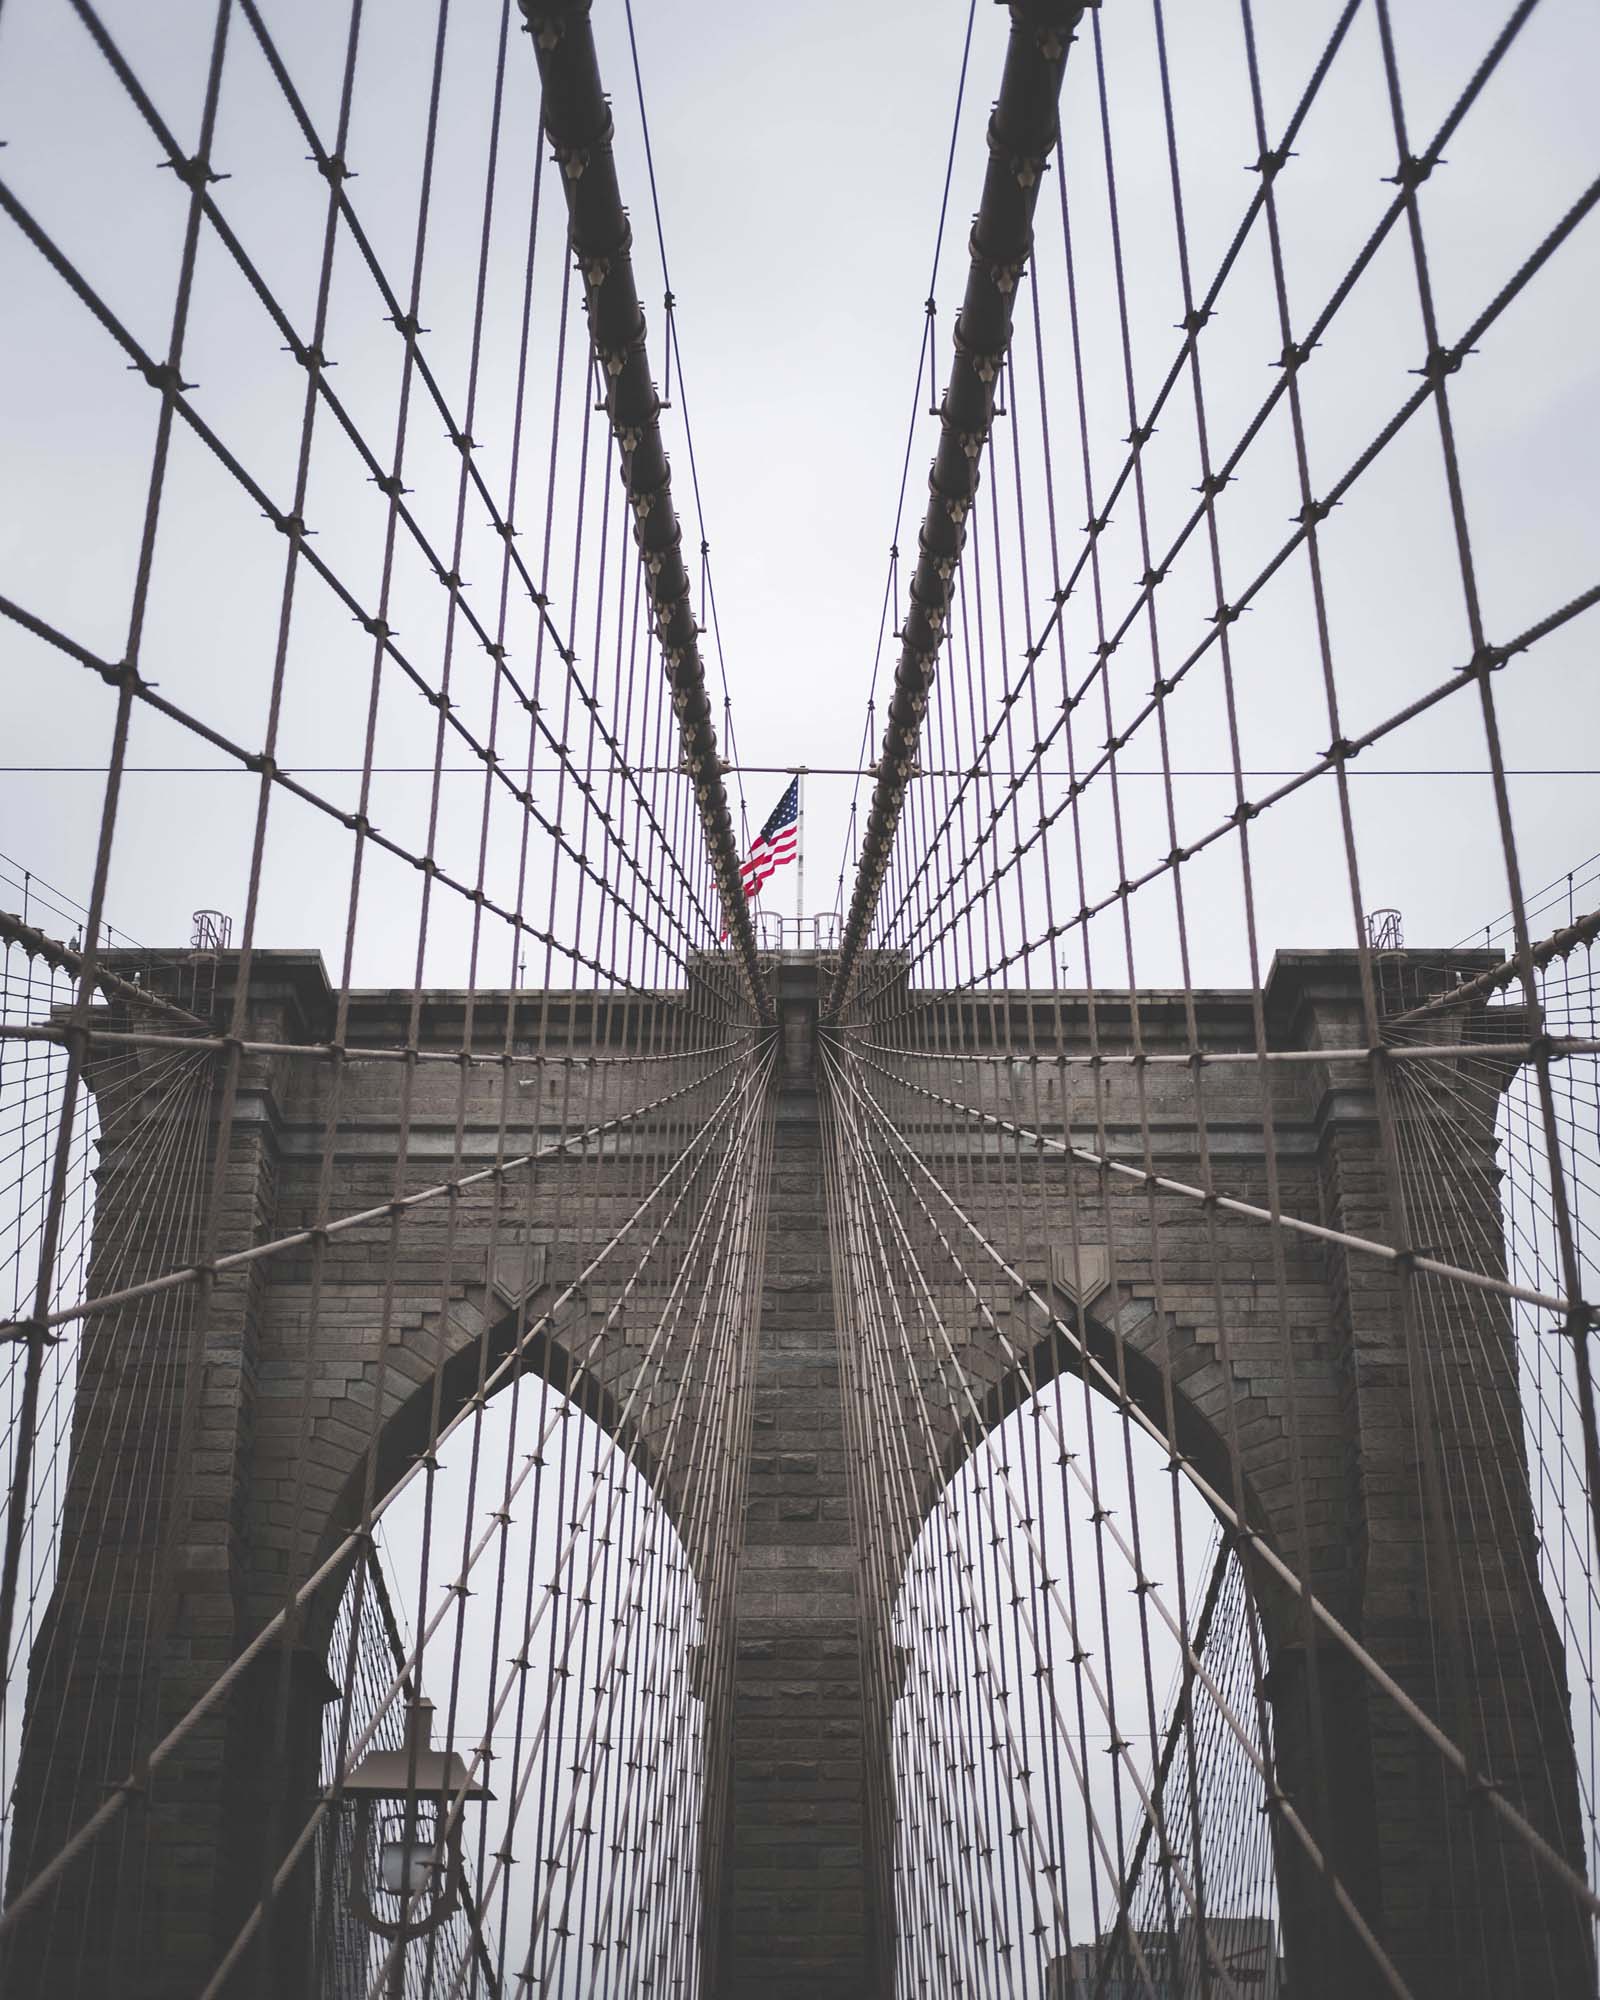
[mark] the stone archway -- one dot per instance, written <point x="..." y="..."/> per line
<point x="1361" y="1778"/>
<point x="1293" y="1366"/>
<point x="532" y="1660"/>
<point x="304" y="1359"/>
<point x="1023" y="1638"/>
<point x="1306" y="1373"/>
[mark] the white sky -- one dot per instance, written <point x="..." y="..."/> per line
<point x="800" y="155"/>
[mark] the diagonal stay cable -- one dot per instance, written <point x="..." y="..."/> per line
<point x="410" y="1659"/>
<point x="384" y="1211"/>
<point x="334" y="170"/>
<point x="578" y="123"/>
<point x="1338" y="754"/>
<point x="121" y="1794"/>
<point x="1027" y="1531"/>
<point x="1293" y="359"/>
<point x="1022" y="132"/>
<point x="1418" y="1716"/>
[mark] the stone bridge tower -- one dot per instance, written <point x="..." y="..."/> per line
<point x="801" y="1912"/>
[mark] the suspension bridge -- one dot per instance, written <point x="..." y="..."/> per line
<point x="1032" y="1434"/>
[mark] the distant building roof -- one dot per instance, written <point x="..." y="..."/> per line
<point x="1244" y="1949"/>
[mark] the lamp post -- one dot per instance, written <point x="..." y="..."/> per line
<point x="411" y="1790"/>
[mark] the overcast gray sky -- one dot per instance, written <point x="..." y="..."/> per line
<point x="800" y="155"/>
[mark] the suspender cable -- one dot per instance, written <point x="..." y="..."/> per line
<point x="1022" y="135"/>
<point x="577" y="120"/>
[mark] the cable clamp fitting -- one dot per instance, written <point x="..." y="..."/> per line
<point x="1412" y="171"/>
<point x="195" y="173"/>
<point x="162" y="375"/>
<point x="1441" y="362"/>
<point x="1270" y="164"/>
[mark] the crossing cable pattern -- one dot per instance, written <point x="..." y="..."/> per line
<point x="379" y="1651"/>
<point x="479" y="1221"/>
<point x="927" y="375"/>
<point x="1040" y="1181"/>
<point x="557" y="1241"/>
<point x="1201" y="1759"/>
<point x="146" y="1128"/>
<point x="1471" y="1350"/>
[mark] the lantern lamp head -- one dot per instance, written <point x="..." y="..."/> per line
<point x="417" y="1867"/>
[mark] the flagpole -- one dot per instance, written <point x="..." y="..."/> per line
<point x="799" y="853"/>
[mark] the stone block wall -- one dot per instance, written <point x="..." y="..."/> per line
<point x="798" y="1908"/>
<point x="1283" y="1354"/>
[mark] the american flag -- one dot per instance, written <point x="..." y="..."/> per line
<point x="775" y="843"/>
